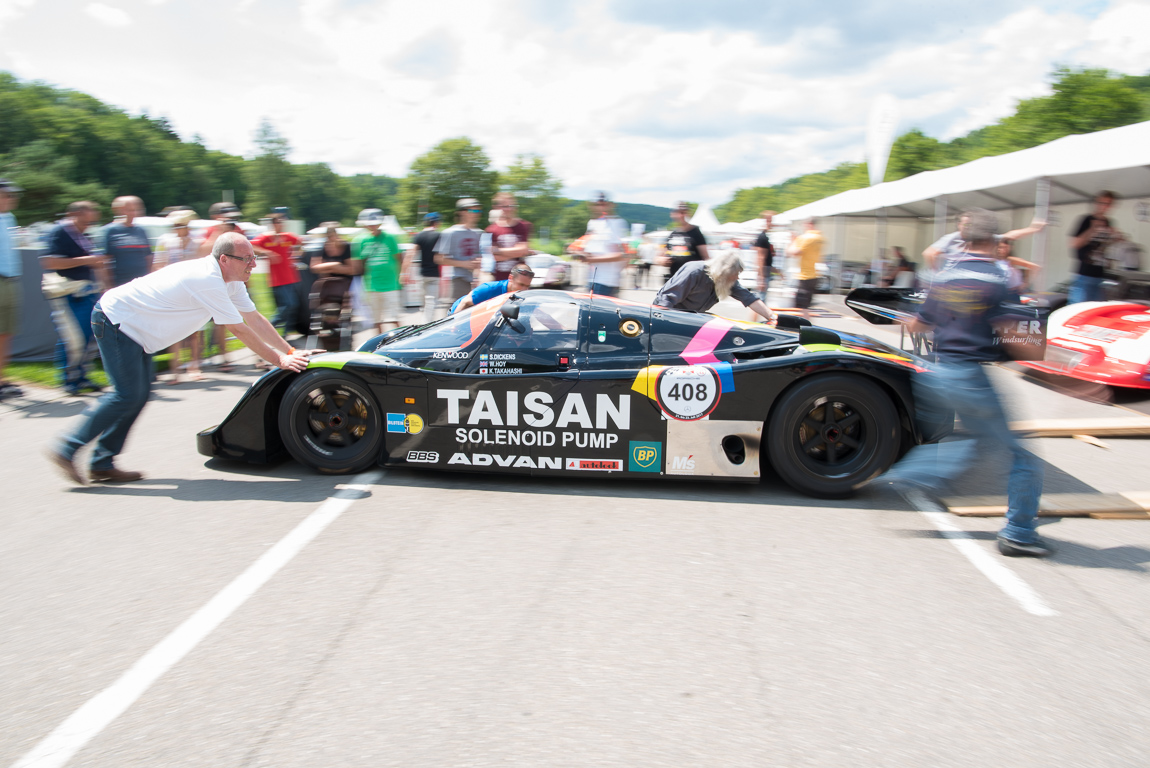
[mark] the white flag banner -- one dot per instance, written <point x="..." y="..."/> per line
<point x="880" y="135"/>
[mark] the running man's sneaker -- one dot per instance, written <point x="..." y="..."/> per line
<point x="1012" y="548"/>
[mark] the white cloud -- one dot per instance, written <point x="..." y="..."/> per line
<point x="12" y="9"/>
<point x="651" y="113"/>
<point x="106" y="14"/>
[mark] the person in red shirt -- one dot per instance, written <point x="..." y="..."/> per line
<point x="280" y="248"/>
<point x="510" y="237"/>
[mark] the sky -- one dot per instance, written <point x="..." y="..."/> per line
<point x="651" y="101"/>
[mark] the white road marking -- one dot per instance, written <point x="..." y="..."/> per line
<point x="1001" y="576"/>
<point x="97" y="713"/>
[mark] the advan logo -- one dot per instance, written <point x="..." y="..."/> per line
<point x="682" y="465"/>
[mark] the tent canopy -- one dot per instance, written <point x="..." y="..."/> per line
<point x="1076" y="167"/>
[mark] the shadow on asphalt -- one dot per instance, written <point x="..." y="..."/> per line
<point x="218" y="489"/>
<point x="1123" y="558"/>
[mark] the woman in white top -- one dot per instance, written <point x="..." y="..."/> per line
<point x="174" y="247"/>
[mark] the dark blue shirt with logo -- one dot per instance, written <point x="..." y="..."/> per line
<point x="128" y="250"/>
<point x="963" y="300"/>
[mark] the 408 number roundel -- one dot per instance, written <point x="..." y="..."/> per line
<point x="688" y="393"/>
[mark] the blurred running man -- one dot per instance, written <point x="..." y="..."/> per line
<point x="963" y="300"/>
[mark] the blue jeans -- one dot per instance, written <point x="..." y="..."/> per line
<point x="72" y="316"/>
<point x="966" y="388"/>
<point x="603" y="290"/>
<point x="1085" y="289"/>
<point x="287" y="305"/>
<point x="129" y="369"/>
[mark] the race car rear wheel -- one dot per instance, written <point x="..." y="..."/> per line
<point x="330" y="421"/>
<point x="830" y="434"/>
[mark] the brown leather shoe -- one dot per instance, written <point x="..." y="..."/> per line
<point x="114" y="475"/>
<point x="67" y="466"/>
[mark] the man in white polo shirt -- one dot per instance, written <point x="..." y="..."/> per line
<point x="134" y="321"/>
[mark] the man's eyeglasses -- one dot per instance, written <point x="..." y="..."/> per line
<point x="475" y="210"/>
<point x="251" y="260"/>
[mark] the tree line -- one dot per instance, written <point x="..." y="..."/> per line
<point x="1083" y="101"/>
<point x="61" y="145"/>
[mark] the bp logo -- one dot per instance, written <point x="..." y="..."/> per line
<point x="645" y="457"/>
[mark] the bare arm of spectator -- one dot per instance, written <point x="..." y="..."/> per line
<point x="704" y="252"/>
<point x="1035" y="227"/>
<point x="518" y="251"/>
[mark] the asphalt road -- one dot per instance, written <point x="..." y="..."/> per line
<point x="469" y="620"/>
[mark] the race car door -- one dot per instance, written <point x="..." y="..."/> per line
<point x="503" y="414"/>
<point x="607" y="424"/>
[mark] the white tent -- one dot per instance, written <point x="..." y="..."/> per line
<point x="1067" y="170"/>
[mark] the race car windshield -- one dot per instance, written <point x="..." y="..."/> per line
<point x="452" y="331"/>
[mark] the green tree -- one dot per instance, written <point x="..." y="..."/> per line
<point x="270" y="177"/>
<point x="365" y="190"/>
<point x="572" y="221"/>
<point x="322" y="196"/>
<point x="46" y="178"/>
<point x="452" y="169"/>
<point x="915" y="152"/>
<point x="535" y="189"/>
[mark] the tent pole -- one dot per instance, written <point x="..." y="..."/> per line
<point x="876" y="265"/>
<point x="841" y="250"/>
<point x="939" y="218"/>
<point x="1042" y="213"/>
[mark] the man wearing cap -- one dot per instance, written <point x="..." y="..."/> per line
<point x="10" y="271"/>
<point x="280" y="248"/>
<point x="510" y="236"/>
<point x="425" y="241"/>
<point x="458" y="247"/>
<point x="134" y="321"/>
<point x="603" y="254"/>
<point x="126" y="246"/>
<point x="81" y="274"/>
<point x="381" y="268"/>
<point x="519" y="280"/>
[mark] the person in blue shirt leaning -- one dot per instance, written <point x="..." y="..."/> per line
<point x="520" y="280"/>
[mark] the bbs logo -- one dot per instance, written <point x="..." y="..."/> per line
<point x="449" y="354"/>
<point x="423" y="457"/>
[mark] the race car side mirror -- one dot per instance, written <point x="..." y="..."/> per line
<point x="791" y="321"/>
<point x="510" y="313"/>
<point x="813" y="335"/>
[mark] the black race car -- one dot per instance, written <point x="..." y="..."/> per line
<point x="555" y="383"/>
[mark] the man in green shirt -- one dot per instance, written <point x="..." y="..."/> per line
<point x="381" y="269"/>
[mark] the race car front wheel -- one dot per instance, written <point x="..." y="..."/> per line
<point x="330" y="421"/>
<point x="831" y="433"/>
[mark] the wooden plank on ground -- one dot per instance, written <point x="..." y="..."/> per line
<point x="1117" y="427"/>
<point x="1130" y="506"/>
